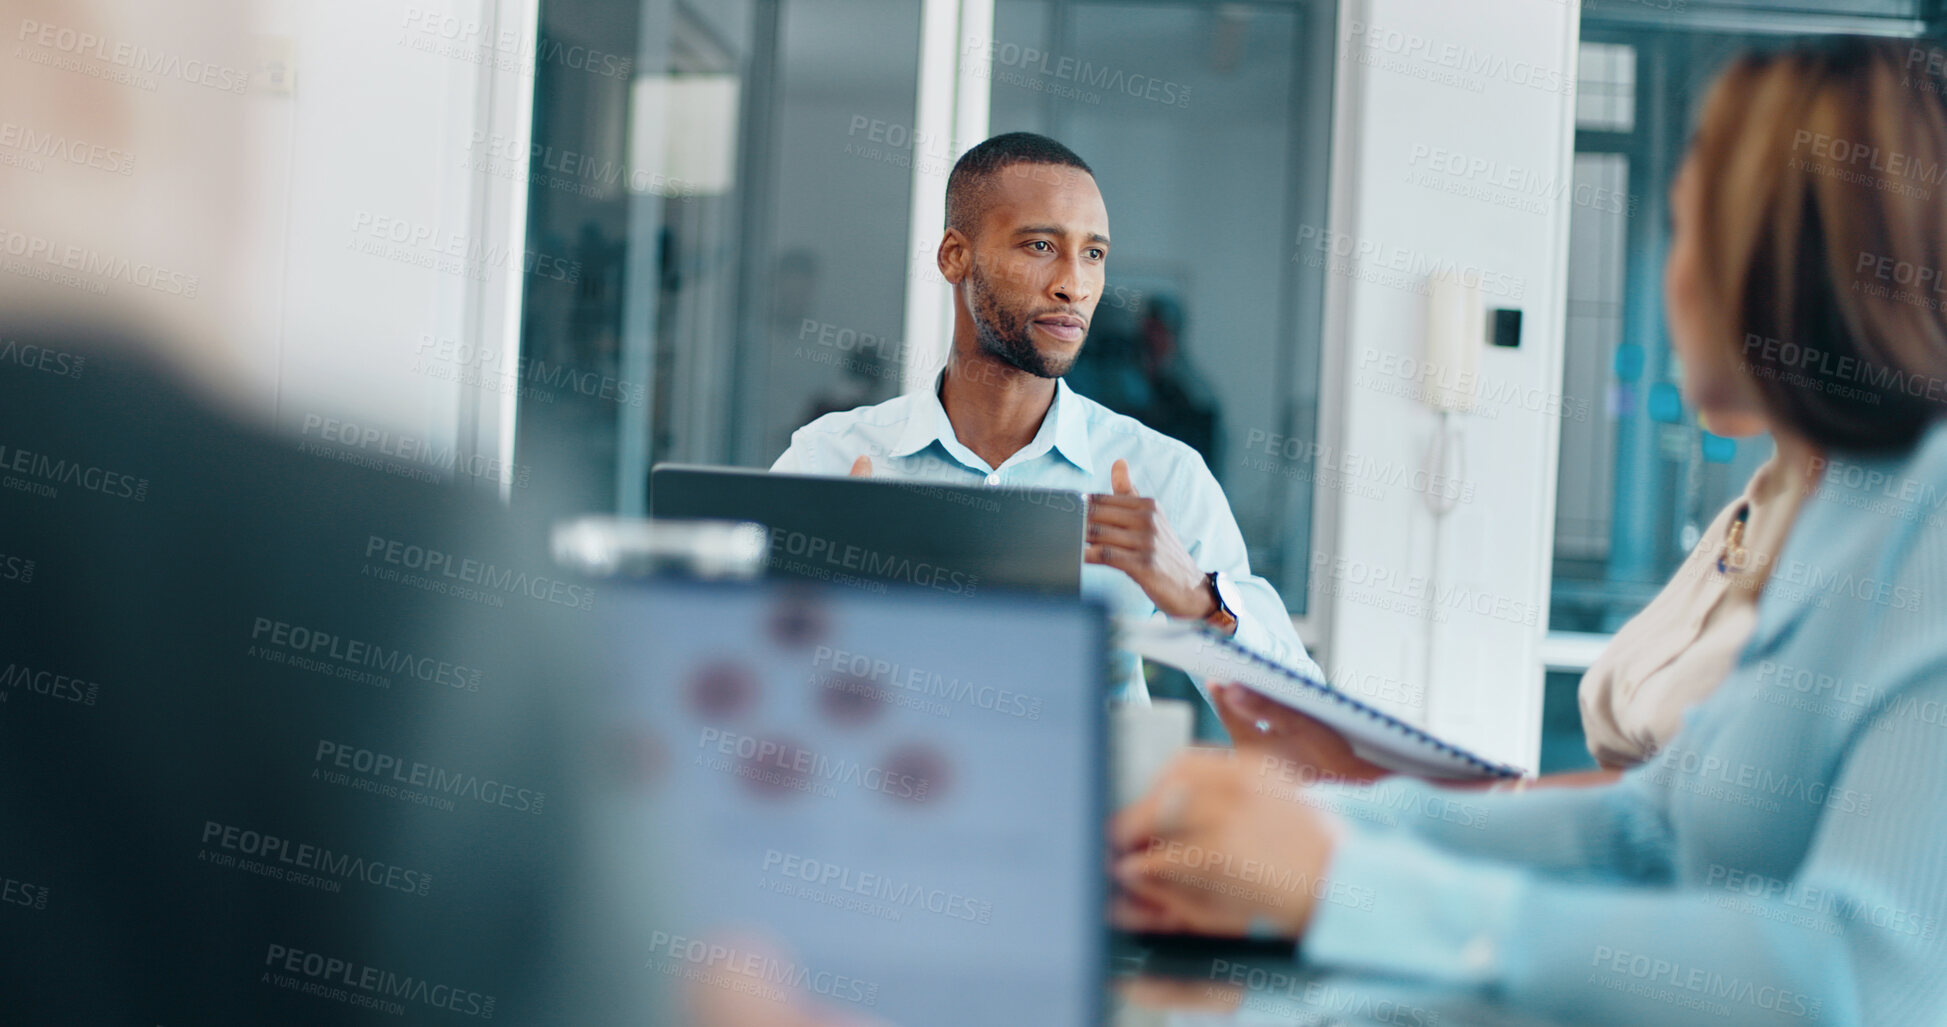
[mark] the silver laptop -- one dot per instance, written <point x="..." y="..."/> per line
<point x="882" y="807"/>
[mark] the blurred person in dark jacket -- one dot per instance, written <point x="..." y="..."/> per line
<point x="283" y="739"/>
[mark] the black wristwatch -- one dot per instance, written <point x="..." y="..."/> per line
<point x="1222" y="618"/>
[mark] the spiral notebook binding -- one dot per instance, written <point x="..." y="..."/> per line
<point x="1390" y="721"/>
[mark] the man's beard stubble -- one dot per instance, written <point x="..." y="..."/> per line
<point x="1003" y="334"/>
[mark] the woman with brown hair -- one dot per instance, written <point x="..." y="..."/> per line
<point x="1781" y="859"/>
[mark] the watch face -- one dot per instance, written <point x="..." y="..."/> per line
<point x="1222" y="618"/>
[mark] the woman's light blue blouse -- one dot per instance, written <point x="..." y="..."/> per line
<point x="1783" y="860"/>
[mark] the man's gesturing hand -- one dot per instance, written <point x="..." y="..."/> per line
<point x="1126" y="531"/>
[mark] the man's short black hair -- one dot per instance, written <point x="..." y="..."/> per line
<point x="966" y="187"/>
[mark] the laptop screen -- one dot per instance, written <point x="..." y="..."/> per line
<point x="880" y="806"/>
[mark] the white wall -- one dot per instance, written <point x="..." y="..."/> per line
<point x="370" y="172"/>
<point x="1492" y="83"/>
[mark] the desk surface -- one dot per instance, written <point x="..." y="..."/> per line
<point x="1181" y="986"/>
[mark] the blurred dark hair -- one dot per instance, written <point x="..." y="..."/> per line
<point x="1823" y="244"/>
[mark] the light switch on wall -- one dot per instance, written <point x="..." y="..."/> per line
<point x="276" y="70"/>
<point x="1505" y="327"/>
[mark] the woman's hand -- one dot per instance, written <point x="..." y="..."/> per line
<point x="1265" y="727"/>
<point x="1218" y="847"/>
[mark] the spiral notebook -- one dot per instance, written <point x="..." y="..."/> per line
<point x="1375" y="734"/>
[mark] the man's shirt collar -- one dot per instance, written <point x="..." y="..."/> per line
<point x="1065" y="429"/>
<point x="1071" y="428"/>
<point x="926" y="423"/>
